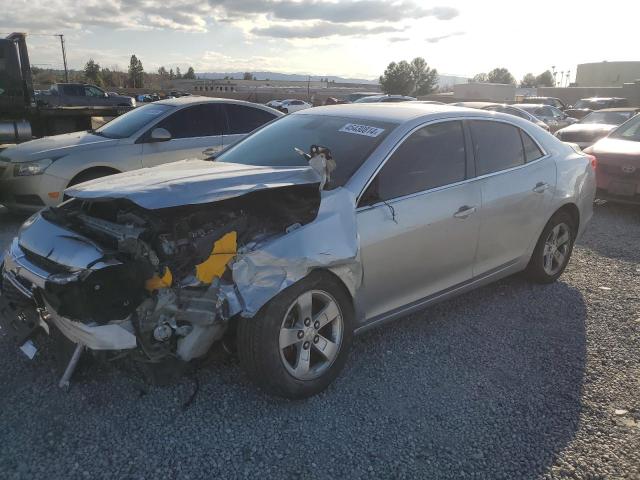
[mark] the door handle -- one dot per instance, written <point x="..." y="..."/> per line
<point x="540" y="187"/>
<point x="464" y="211"/>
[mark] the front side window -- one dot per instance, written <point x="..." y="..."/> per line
<point x="245" y="119"/>
<point x="431" y="157"/>
<point x="129" y="123"/>
<point x="196" y="121"/>
<point x="497" y="146"/>
<point x="350" y="140"/>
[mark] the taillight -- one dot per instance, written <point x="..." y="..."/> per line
<point x="594" y="161"/>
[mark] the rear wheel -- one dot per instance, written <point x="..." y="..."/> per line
<point x="299" y="342"/>
<point x="553" y="250"/>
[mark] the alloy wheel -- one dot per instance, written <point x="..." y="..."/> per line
<point x="556" y="249"/>
<point x="311" y="335"/>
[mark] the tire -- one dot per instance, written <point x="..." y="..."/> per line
<point x="282" y="370"/>
<point x="285" y="110"/>
<point x="539" y="269"/>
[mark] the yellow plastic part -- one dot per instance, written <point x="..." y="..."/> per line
<point x="156" y="282"/>
<point x="223" y="251"/>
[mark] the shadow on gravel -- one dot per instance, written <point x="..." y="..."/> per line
<point x="486" y="384"/>
<point x="614" y="231"/>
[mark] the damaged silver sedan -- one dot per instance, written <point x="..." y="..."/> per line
<point x="315" y="227"/>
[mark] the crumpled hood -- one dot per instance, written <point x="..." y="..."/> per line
<point x="55" y="147"/>
<point x="189" y="182"/>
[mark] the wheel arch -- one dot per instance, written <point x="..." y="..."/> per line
<point x="573" y="211"/>
<point x="96" y="169"/>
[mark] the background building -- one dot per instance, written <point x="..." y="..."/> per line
<point x="607" y="74"/>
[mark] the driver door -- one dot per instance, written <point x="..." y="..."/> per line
<point x="418" y="221"/>
<point x="196" y="133"/>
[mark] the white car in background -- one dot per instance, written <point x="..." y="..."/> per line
<point x="293" y="105"/>
<point x="35" y="174"/>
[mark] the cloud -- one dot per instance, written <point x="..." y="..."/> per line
<point x="398" y="39"/>
<point x="443" y="37"/>
<point x="197" y="15"/>
<point x="321" y="29"/>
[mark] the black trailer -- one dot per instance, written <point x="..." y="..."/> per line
<point x="21" y="116"/>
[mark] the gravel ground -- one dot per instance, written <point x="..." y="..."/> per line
<point x="512" y="381"/>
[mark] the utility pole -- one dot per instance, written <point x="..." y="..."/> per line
<point x="64" y="57"/>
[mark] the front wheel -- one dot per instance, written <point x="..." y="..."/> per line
<point x="299" y="342"/>
<point x="553" y="250"/>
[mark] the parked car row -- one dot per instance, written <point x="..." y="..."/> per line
<point x="35" y="174"/>
<point x="280" y="247"/>
<point x="289" y="105"/>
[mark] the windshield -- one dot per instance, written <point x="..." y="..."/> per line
<point x="607" y="118"/>
<point x="129" y="123"/>
<point x="629" y="130"/>
<point x="350" y="140"/>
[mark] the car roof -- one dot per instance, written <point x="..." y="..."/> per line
<point x="520" y="105"/>
<point x="195" y="99"/>
<point x="602" y="98"/>
<point x="393" y="112"/>
<point x="475" y="104"/>
<point x="619" y="109"/>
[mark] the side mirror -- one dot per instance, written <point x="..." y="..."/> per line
<point x="160" y="135"/>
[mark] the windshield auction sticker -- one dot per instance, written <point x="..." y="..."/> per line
<point x="365" y="130"/>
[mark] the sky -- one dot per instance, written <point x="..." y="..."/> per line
<point x="349" y="38"/>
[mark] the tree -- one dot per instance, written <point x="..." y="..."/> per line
<point x="545" y="79"/>
<point x="248" y="76"/>
<point x="163" y="72"/>
<point x="501" y="75"/>
<point x="92" y="72"/>
<point x="528" y="81"/>
<point x="190" y="75"/>
<point x="425" y="79"/>
<point x="479" y="78"/>
<point x="136" y="73"/>
<point x="178" y="74"/>
<point x="397" y="79"/>
<point x="171" y="74"/>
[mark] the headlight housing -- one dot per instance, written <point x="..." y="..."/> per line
<point x="31" y="168"/>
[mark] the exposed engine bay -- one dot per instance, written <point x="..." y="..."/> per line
<point x="168" y="264"/>
<point x="164" y="283"/>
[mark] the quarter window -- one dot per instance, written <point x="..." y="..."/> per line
<point x="243" y="119"/>
<point x="196" y="121"/>
<point x="431" y="157"/>
<point x="497" y="146"/>
<point x="531" y="150"/>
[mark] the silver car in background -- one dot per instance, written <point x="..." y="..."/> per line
<point x="316" y="227"/>
<point x="552" y="116"/>
<point x="35" y="174"/>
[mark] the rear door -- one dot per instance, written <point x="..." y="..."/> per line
<point x="243" y="119"/>
<point x="517" y="181"/>
<point x="418" y="220"/>
<point x="73" y="95"/>
<point x="196" y="132"/>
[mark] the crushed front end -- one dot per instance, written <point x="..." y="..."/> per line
<point x="150" y="284"/>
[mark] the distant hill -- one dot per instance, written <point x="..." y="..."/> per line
<point x="282" y="76"/>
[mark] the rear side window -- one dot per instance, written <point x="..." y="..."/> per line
<point x="497" y="146"/>
<point x="431" y="157"/>
<point x="196" y="121"/>
<point x="73" y="90"/>
<point x="531" y="150"/>
<point x="243" y="119"/>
